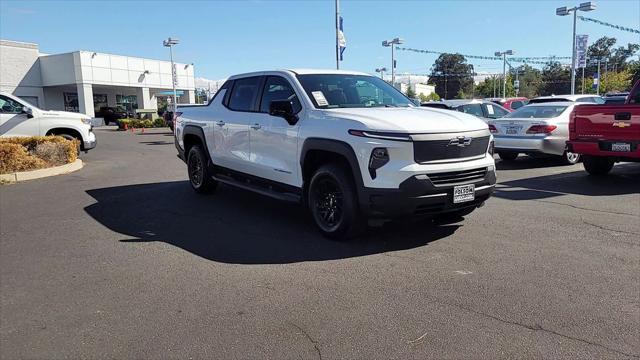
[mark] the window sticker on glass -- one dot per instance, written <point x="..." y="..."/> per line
<point x="320" y="99"/>
<point x="490" y="109"/>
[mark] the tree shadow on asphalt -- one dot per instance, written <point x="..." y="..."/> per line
<point x="623" y="179"/>
<point x="239" y="227"/>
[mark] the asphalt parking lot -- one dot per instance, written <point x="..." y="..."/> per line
<point x="123" y="260"/>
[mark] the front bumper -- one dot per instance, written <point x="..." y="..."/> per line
<point x="90" y="143"/>
<point x="418" y="196"/>
<point x="553" y="145"/>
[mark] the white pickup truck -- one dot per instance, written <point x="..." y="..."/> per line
<point x="19" y="118"/>
<point x="346" y="145"/>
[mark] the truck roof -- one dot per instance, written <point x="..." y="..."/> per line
<point x="298" y="72"/>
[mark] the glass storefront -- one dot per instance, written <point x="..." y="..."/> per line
<point x="129" y="102"/>
<point x="99" y="101"/>
<point x="71" y="102"/>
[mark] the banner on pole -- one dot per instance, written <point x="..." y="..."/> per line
<point x="342" y="41"/>
<point x="581" y="50"/>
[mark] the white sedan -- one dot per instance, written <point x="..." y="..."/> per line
<point x="535" y="129"/>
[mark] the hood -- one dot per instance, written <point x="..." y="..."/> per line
<point x="410" y="119"/>
<point x="64" y="114"/>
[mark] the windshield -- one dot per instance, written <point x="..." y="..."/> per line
<point x="537" y="112"/>
<point x="329" y="91"/>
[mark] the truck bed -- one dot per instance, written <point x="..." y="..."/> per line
<point x="606" y="130"/>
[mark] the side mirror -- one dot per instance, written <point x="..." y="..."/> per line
<point x="27" y="110"/>
<point x="283" y="109"/>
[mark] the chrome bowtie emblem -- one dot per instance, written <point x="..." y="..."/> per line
<point x="460" y="141"/>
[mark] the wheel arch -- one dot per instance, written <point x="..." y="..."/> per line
<point x="318" y="151"/>
<point x="192" y="135"/>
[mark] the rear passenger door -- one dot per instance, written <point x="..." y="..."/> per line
<point x="231" y="131"/>
<point x="273" y="140"/>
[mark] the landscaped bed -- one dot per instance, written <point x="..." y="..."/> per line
<point x="125" y="124"/>
<point x="36" y="152"/>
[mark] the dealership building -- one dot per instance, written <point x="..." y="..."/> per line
<point x="84" y="81"/>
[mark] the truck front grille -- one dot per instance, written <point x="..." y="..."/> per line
<point x="432" y="150"/>
<point x="458" y="177"/>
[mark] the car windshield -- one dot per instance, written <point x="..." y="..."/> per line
<point x="351" y="91"/>
<point x="537" y="112"/>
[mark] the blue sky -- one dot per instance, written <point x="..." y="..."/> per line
<point x="227" y="37"/>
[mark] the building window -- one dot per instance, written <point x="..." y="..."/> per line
<point x="99" y="101"/>
<point x="71" y="102"/>
<point x="129" y="102"/>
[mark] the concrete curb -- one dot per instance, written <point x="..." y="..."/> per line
<point x="41" y="173"/>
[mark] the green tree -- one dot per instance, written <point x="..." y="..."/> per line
<point x="431" y="97"/>
<point x="449" y="74"/>
<point x="611" y="82"/>
<point x="530" y="81"/>
<point x="634" y="69"/>
<point x="556" y="79"/>
<point x="410" y="93"/>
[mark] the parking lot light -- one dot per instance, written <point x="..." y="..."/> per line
<point x="170" y="43"/>
<point x="564" y="11"/>
<point x="381" y="70"/>
<point x="391" y="43"/>
<point x="504" y="69"/>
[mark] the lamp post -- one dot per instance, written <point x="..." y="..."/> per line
<point x="564" y="11"/>
<point x="170" y="43"/>
<point x="391" y="43"/>
<point x="504" y="69"/>
<point x="381" y="71"/>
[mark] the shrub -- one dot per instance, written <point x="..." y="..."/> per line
<point x="159" y="122"/>
<point x="36" y="152"/>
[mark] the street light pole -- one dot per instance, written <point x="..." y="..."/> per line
<point x="564" y="11"/>
<point x="504" y="69"/>
<point x="170" y="43"/>
<point x="391" y="43"/>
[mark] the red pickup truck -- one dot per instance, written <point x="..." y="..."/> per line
<point x="606" y="134"/>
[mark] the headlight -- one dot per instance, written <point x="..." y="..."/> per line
<point x="86" y="120"/>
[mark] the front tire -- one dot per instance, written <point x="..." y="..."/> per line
<point x="199" y="176"/>
<point x="569" y="158"/>
<point x="597" y="165"/>
<point x="508" y="155"/>
<point x="333" y="203"/>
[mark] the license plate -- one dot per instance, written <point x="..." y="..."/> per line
<point x="512" y="131"/>
<point x="464" y="193"/>
<point x="623" y="147"/>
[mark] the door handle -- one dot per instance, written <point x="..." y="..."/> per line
<point x="256" y="126"/>
<point x="623" y="116"/>
<point x="220" y="123"/>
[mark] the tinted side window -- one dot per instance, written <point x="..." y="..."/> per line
<point x="473" y="109"/>
<point x="8" y="106"/>
<point x="634" y="97"/>
<point x="516" y="104"/>
<point x="586" y="100"/>
<point x="278" y="88"/>
<point x="244" y="93"/>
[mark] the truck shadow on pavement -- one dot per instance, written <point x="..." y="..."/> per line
<point x="239" y="227"/>
<point x="623" y="179"/>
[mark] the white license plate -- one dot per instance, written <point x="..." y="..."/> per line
<point x="512" y="130"/>
<point x="625" y="147"/>
<point x="464" y="193"/>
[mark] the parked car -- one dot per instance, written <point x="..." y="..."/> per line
<point x="19" y="118"/>
<point x="481" y="108"/>
<point x="615" y="98"/>
<point x="347" y="145"/>
<point x="541" y="128"/>
<point x="510" y="104"/>
<point x="586" y="98"/>
<point x="113" y="114"/>
<point x="606" y="134"/>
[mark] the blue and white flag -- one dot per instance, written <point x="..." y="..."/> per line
<point x="342" y="41"/>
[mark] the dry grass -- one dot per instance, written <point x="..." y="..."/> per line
<point x="37" y="152"/>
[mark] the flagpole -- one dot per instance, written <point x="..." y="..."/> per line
<point x="337" y="34"/>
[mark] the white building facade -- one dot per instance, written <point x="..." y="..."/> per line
<point x="85" y="81"/>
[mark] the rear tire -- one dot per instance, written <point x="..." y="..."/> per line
<point x="333" y="203"/>
<point x="597" y="165"/>
<point x="199" y="176"/>
<point x="569" y="158"/>
<point x="508" y="155"/>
